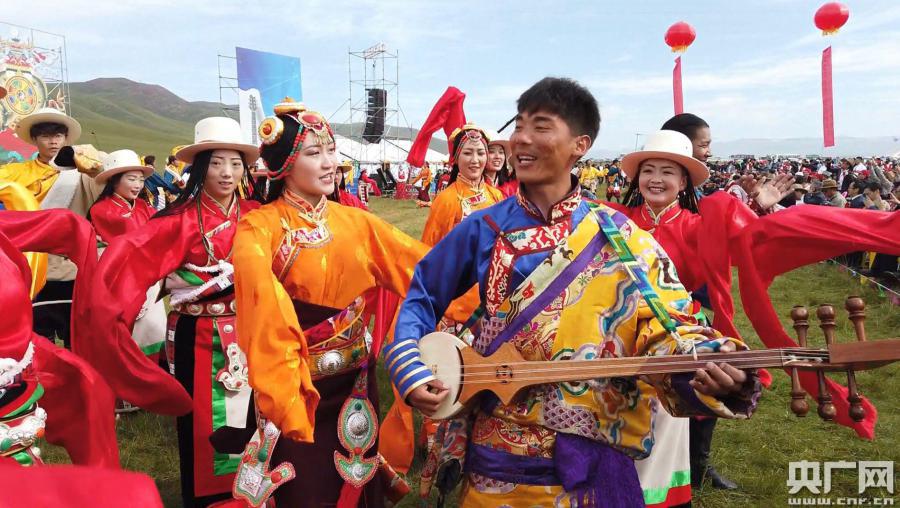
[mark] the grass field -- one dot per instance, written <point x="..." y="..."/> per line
<point x="755" y="453"/>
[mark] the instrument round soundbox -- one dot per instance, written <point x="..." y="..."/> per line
<point x="440" y="352"/>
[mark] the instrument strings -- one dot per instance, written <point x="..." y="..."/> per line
<point x="488" y="373"/>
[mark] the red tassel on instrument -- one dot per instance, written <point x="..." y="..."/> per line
<point x="827" y="99"/>
<point x="676" y="87"/>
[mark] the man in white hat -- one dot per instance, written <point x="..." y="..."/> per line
<point x="57" y="181"/>
<point x="49" y="130"/>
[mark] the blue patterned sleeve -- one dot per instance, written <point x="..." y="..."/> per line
<point x="444" y="274"/>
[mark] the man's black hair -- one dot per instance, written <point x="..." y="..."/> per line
<point x="47" y="129"/>
<point x="685" y="123"/>
<point x="567" y="99"/>
<point x="872" y="185"/>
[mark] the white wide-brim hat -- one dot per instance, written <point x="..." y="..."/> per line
<point x="669" y="145"/>
<point x="48" y="115"/>
<point x="497" y="139"/>
<point x="217" y="133"/>
<point x="121" y="161"/>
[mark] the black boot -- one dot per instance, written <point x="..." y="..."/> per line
<point x="719" y="481"/>
<point x="700" y="438"/>
<point x="701" y="433"/>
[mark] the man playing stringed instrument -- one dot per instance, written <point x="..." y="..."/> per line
<point x="560" y="278"/>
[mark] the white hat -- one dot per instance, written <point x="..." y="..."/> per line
<point x="668" y="145"/>
<point x="121" y="161"/>
<point x="495" y="138"/>
<point x="48" y="115"/>
<point x="217" y="133"/>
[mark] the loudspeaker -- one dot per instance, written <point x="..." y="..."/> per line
<point x="375" y="111"/>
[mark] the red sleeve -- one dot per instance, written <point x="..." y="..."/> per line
<point x="795" y="237"/>
<point x="348" y="199"/>
<point x="723" y="219"/>
<point x="76" y="486"/>
<point x="815" y="233"/>
<point x="80" y="406"/>
<point x="78" y="401"/>
<point x="448" y="114"/>
<point x="129" y="267"/>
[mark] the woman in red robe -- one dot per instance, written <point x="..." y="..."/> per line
<point x="705" y="239"/>
<point x="118" y="210"/>
<point x="191" y="241"/>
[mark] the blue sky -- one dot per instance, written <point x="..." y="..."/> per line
<point x="753" y="71"/>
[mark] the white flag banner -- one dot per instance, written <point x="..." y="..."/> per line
<point x="251" y="114"/>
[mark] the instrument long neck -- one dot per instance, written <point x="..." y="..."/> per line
<point x="540" y="372"/>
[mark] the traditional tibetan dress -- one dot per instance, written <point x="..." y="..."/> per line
<point x="112" y="217"/>
<point x="422" y="181"/>
<point x="705" y="246"/>
<point x="557" y="288"/>
<point x="14" y="196"/>
<point x="194" y="246"/>
<point x="665" y="475"/>
<point x="301" y="271"/>
<point x="78" y="402"/>
<point x="453" y="204"/>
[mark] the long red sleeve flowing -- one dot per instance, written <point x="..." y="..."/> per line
<point x="728" y="234"/>
<point x="78" y="401"/>
<point x="447" y="114"/>
<point x="76" y="486"/>
<point x="799" y="236"/>
<point x="129" y="266"/>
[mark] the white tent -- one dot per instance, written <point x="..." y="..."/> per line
<point x="393" y="150"/>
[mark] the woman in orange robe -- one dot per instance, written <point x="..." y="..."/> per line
<point x="302" y="264"/>
<point x="467" y="193"/>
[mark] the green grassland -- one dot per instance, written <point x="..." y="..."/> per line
<point x="755" y="453"/>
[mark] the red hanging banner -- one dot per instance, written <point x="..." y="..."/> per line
<point x="827" y="99"/>
<point x="676" y="87"/>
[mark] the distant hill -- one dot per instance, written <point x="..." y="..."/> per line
<point x="118" y="113"/>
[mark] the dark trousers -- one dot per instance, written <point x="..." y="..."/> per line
<point x="53" y="320"/>
<point x="884" y="263"/>
<point x="701" y="433"/>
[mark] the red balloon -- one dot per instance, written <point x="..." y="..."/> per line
<point x="679" y="36"/>
<point x="831" y="17"/>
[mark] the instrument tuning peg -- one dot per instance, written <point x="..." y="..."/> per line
<point x="826" y="408"/>
<point x="799" y="406"/>
<point x="856" y="307"/>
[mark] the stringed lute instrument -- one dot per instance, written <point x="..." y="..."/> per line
<point x="505" y="373"/>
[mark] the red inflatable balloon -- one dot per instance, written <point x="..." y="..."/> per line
<point x="831" y="17"/>
<point x="679" y="36"/>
